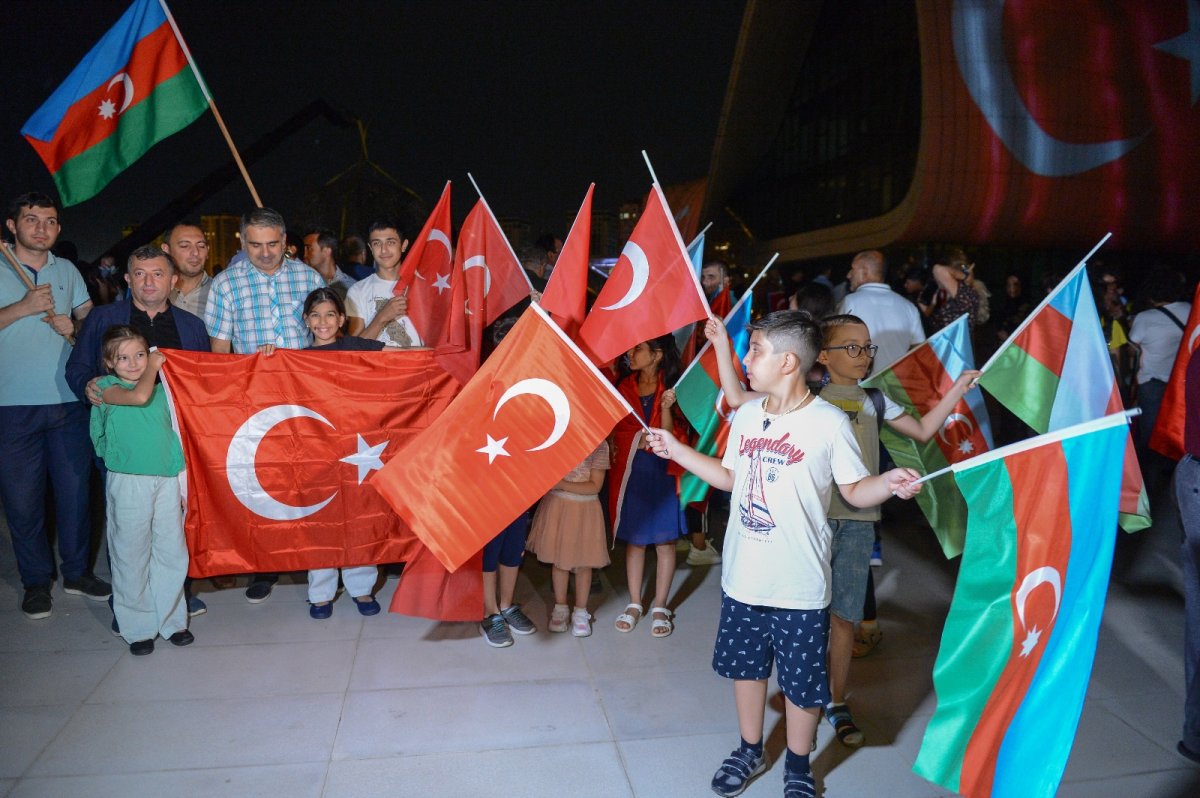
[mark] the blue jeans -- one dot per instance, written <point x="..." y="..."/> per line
<point x="42" y="444"/>
<point x="1187" y="493"/>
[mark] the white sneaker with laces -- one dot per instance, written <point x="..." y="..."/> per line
<point x="705" y="556"/>
<point x="581" y="623"/>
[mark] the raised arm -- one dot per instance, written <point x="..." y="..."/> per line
<point x="924" y="429"/>
<point x="140" y="393"/>
<point x="735" y="394"/>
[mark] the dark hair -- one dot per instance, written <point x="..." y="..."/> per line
<point x="166" y="236"/>
<point x="352" y="247"/>
<point x="546" y="242"/>
<point x="326" y="238"/>
<point x="30" y="199"/>
<point x="324" y="294"/>
<point x="1161" y="285"/>
<point x="669" y="367"/>
<point x="794" y="331"/>
<point x="387" y="224"/>
<point x="816" y="298"/>
<point x="830" y="323"/>
<point x="112" y="339"/>
<point x="150" y="252"/>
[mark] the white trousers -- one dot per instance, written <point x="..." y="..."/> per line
<point x="322" y="583"/>
<point x="148" y="553"/>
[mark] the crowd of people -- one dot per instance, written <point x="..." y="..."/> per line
<point x="804" y="470"/>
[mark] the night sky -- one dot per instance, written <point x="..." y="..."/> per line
<point x="535" y="99"/>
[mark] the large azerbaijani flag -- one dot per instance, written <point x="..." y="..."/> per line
<point x="134" y="88"/>
<point x="699" y="395"/>
<point x="1020" y="638"/>
<point x="917" y="382"/>
<point x="1055" y="371"/>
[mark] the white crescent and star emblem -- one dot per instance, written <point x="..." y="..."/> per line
<point x="1193" y="338"/>
<point x="553" y="396"/>
<point x="965" y="446"/>
<point x="982" y="62"/>
<point x="641" y="275"/>
<point x="107" y="108"/>
<point x="1046" y="575"/>
<point x="243" y="449"/>
<point x="443" y="239"/>
<point x="479" y="262"/>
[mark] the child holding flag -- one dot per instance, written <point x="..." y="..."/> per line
<point x="785" y="453"/>
<point x="131" y="430"/>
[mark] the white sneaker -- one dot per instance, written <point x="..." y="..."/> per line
<point x="705" y="556"/>
<point x="581" y="623"/>
<point x="558" y="618"/>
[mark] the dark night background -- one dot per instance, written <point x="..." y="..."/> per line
<point x="535" y="99"/>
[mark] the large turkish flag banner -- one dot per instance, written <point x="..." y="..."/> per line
<point x="534" y="411"/>
<point x="651" y="291"/>
<point x="282" y="452"/>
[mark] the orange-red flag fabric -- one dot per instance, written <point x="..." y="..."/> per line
<point x="428" y="590"/>
<point x="490" y="279"/>
<point x="1167" y="438"/>
<point x="282" y="452"/>
<point x="425" y="274"/>
<point x="565" y="297"/>
<point x="651" y="291"/>
<point x="534" y="411"/>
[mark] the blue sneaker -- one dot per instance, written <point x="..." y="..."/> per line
<point x="877" y="554"/>
<point x="737" y="771"/>
<point x="320" y="612"/>
<point x="196" y="606"/>
<point x="368" y="607"/>
<point x="799" y="785"/>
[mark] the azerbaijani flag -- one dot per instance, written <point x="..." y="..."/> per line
<point x="130" y="92"/>
<point x="1019" y="641"/>
<point x="917" y="382"/>
<point x="1055" y="371"/>
<point x="700" y="397"/>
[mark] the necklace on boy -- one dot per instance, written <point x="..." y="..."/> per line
<point x="767" y="421"/>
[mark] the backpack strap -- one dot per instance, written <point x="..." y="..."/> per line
<point x="876" y="397"/>
<point x="1173" y="318"/>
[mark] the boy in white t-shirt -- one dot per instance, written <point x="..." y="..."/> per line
<point x="373" y="309"/>
<point x="784" y="455"/>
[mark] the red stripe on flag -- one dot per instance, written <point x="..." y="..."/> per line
<point x="924" y="378"/>
<point x="1043" y="540"/>
<point x="1046" y="340"/>
<point x="155" y="58"/>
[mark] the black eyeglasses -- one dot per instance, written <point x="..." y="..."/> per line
<point x="854" y="350"/>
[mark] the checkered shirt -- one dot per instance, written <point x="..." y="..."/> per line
<point x="250" y="308"/>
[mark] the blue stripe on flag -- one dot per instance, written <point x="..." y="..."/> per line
<point x="952" y="345"/>
<point x="1087" y="380"/>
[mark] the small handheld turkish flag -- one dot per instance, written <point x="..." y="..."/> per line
<point x="651" y="291"/>
<point x="535" y="410"/>
<point x="565" y="297"/>
<point x="281" y="452"/>
<point x="425" y="274"/>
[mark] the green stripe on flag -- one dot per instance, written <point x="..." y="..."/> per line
<point x="1023" y="385"/>
<point x="978" y="635"/>
<point x="172" y="106"/>
<point x="696" y="395"/>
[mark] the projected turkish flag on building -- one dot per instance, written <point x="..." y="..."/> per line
<point x="1049" y="123"/>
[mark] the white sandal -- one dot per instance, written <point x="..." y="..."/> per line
<point x="558" y="618"/>
<point x="581" y="623"/>
<point x="661" y="627"/>
<point x="630" y="621"/>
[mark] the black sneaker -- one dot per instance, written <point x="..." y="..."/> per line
<point x="259" y="592"/>
<point x="495" y="631"/>
<point x="115" y="627"/>
<point x="37" y="603"/>
<point x="88" y="586"/>
<point x="140" y="648"/>
<point x="182" y="638"/>
<point x="518" y="622"/>
<point x="737" y="771"/>
<point x="799" y="785"/>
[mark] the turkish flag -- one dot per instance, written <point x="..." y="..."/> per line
<point x="282" y="453"/>
<point x="534" y="411"/>
<point x="426" y="275"/>
<point x="428" y="590"/>
<point x="565" y="297"/>
<point x="487" y="279"/>
<point x="1167" y="438"/>
<point x="651" y="291"/>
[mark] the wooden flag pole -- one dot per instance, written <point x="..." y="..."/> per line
<point x="20" y="270"/>
<point x="237" y="157"/>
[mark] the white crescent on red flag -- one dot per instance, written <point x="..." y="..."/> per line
<point x="426" y="274"/>
<point x="282" y="452"/>
<point x="651" y="291"/>
<point x="535" y="410"/>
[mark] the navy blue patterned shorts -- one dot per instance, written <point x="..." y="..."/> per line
<point x="750" y="638"/>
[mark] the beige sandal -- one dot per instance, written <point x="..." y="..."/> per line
<point x="630" y="621"/>
<point x="661" y="627"/>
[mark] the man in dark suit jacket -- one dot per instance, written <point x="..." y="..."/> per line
<point x="151" y="276"/>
